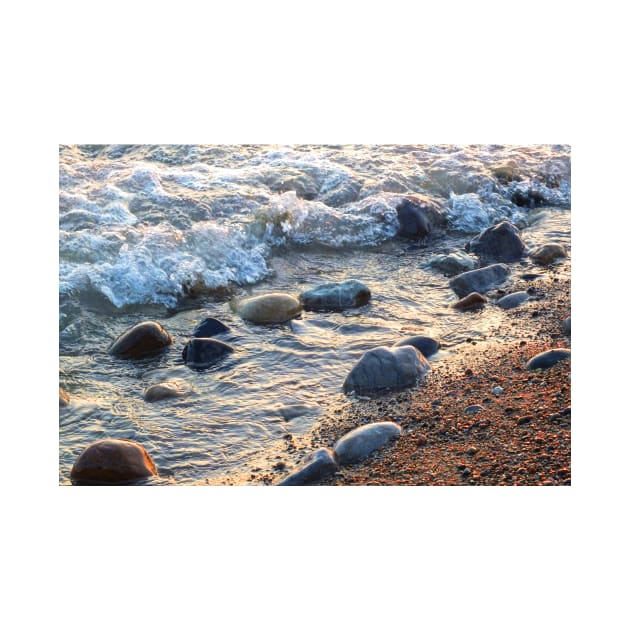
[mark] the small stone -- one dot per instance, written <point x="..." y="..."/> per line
<point x="210" y="327"/>
<point x="513" y="300"/>
<point x="471" y="451"/>
<point x="166" y="389"/>
<point x="471" y="302"/>
<point x="362" y="441"/>
<point x="497" y="390"/>
<point x="473" y="409"/>
<point x="201" y="352"/>
<point x="466" y="472"/>
<point x="547" y="359"/>
<point x="548" y="253"/>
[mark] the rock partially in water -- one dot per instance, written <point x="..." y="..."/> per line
<point x="426" y="345"/>
<point x="479" y="280"/>
<point x="386" y="368"/>
<point x="289" y="412"/>
<point x="113" y="461"/>
<point x="336" y="296"/>
<point x="363" y="441"/>
<point x="202" y="352"/>
<point x="526" y="196"/>
<point x="549" y="253"/>
<point x="271" y="308"/>
<point x="566" y="325"/>
<point x="418" y="215"/>
<point x="453" y="263"/>
<point x="316" y="466"/>
<point x="166" y="389"/>
<point x="501" y="242"/>
<point x="512" y="300"/>
<point x="471" y="302"/>
<point x="64" y="398"/>
<point x="548" y="359"/>
<point x="210" y="327"/>
<point x="506" y="172"/>
<point x="283" y="180"/>
<point x="142" y="340"/>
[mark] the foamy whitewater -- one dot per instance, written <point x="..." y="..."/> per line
<point x="172" y="233"/>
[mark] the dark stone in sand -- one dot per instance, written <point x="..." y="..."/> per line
<point x="113" y="461"/>
<point x="501" y="242"/>
<point x="547" y="359"/>
<point x="531" y="276"/>
<point x="471" y="302"/>
<point x="316" y="466"/>
<point x="336" y="296"/>
<point x="362" y="441"/>
<point x="546" y="254"/>
<point x="64" y="398"/>
<point x="512" y="300"/>
<point x="473" y="409"/>
<point x="566" y="325"/>
<point x="386" y="368"/>
<point x="143" y="339"/>
<point x="202" y="352"/>
<point x="479" y="280"/>
<point x="418" y="215"/>
<point x="210" y="327"/>
<point x="167" y="389"/>
<point x="426" y="345"/>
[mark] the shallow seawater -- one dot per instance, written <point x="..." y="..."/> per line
<point x="173" y="233"/>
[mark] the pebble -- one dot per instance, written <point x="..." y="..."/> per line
<point x="473" y="409"/>
<point x="497" y="390"/>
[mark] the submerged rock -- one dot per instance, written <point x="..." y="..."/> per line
<point x="210" y="327"/>
<point x="546" y="254"/>
<point x="386" y="368"/>
<point x="479" y="280"/>
<point x="113" y="461"/>
<point x="453" y="263"/>
<point x="272" y="308"/>
<point x="471" y="302"/>
<point x="336" y="296"/>
<point x="426" y="345"/>
<point x="418" y="215"/>
<point x="316" y="466"/>
<point x="166" y="389"/>
<point x="547" y="359"/>
<point x="202" y="352"/>
<point x="512" y="300"/>
<point x="362" y="441"/>
<point x="64" y="398"/>
<point x="501" y="242"/>
<point x="566" y="325"/>
<point x="143" y="339"/>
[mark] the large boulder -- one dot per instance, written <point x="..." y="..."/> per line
<point x="272" y="308"/>
<point x="501" y="242"/>
<point x="418" y="215"/>
<point x="210" y="327"/>
<point x="386" y="368"/>
<point x="479" y="280"/>
<point x="113" y="461"/>
<point x="202" y="352"/>
<point x="548" y="359"/>
<point x="549" y="253"/>
<point x="142" y="340"/>
<point x="166" y="389"/>
<point x="426" y="345"/>
<point x="316" y="466"/>
<point x="512" y="300"/>
<point x="336" y="296"/>
<point x="363" y="441"/>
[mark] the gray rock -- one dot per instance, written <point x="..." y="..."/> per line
<point x="566" y="325"/>
<point x="64" y="398"/>
<point x="473" y="409"/>
<point x="202" y="352"/>
<point x="386" y="368"/>
<point x="479" y="280"/>
<point x="418" y="215"/>
<point x="316" y="466"/>
<point x="336" y="296"/>
<point x="547" y="359"/>
<point x="471" y="302"/>
<point x="453" y="263"/>
<point x="142" y="340"/>
<point x="362" y="441"/>
<point x="547" y="254"/>
<point x="288" y="412"/>
<point x="272" y="308"/>
<point x="512" y="300"/>
<point x="210" y="327"/>
<point x="426" y="345"/>
<point x="166" y="389"/>
<point x="501" y="242"/>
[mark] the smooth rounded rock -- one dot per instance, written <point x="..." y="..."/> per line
<point x="363" y="441"/>
<point x="426" y="345"/>
<point x="479" y="280"/>
<point x="386" y="368"/>
<point x="166" y="389"/>
<point x="418" y="215"/>
<point x="210" y="327"/>
<point x="316" y="466"/>
<point x="566" y="325"/>
<point x="512" y="300"/>
<point x="501" y="242"/>
<point x="453" y="263"/>
<point x="549" y="253"/>
<point x="474" y="409"/>
<point x="202" y="352"/>
<point x="548" y="359"/>
<point x="113" y="461"/>
<point x="336" y="296"/>
<point x="272" y="308"/>
<point x="143" y="339"/>
<point x="471" y="302"/>
<point x="64" y="398"/>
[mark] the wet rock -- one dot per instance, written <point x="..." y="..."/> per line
<point x="471" y="302"/>
<point x="479" y="280"/>
<point x="418" y="215"/>
<point x="426" y="345"/>
<point x="284" y="180"/>
<point x="497" y="390"/>
<point x="547" y="359"/>
<point x="210" y="327"/>
<point x="288" y="412"/>
<point x="501" y="242"/>
<point x="166" y="389"/>
<point x="316" y="466"/>
<point x="506" y="172"/>
<point x="473" y="409"/>
<point x="547" y="254"/>
<point x="453" y="263"/>
<point x="362" y="441"/>
<point x="202" y="352"/>
<point x="566" y="325"/>
<point x="512" y="300"/>
<point x="341" y="193"/>
<point x="525" y="196"/>
<point x="336" y="296"/>
<point x="113" y="461"/>
<point x="142" y="340"/>
<point x="386" y="368"/>
<point x="272" y="308"/>
<point x="64" y="398"/>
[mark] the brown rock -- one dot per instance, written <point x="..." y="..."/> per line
<point x="141" y="340"/>
<point x="470" y="302"/>
<point x="64" y="398"/>
<point x="546" y="254"/>
<point x="167" y="389"/>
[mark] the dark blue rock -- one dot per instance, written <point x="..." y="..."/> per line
<point x="361" y="442"/>
<point x="336" y="296"/>
<point x="210" y="327"/>
<point x="501" y="242"/>
<point x="426" y="345"/>
<point x="479" y="280"/>
<point x="317" y="465"/>
<point x="201" y="352"/>
<point x="547" y="359"/>
<point x="512" y="300"/>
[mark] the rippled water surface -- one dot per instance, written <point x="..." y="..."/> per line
<point x="172" y="233"/>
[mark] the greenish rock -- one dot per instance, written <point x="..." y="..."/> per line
<point x="271" y="308"/>
<point x="361" y="442"/>
<point x="336" y="296"/>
